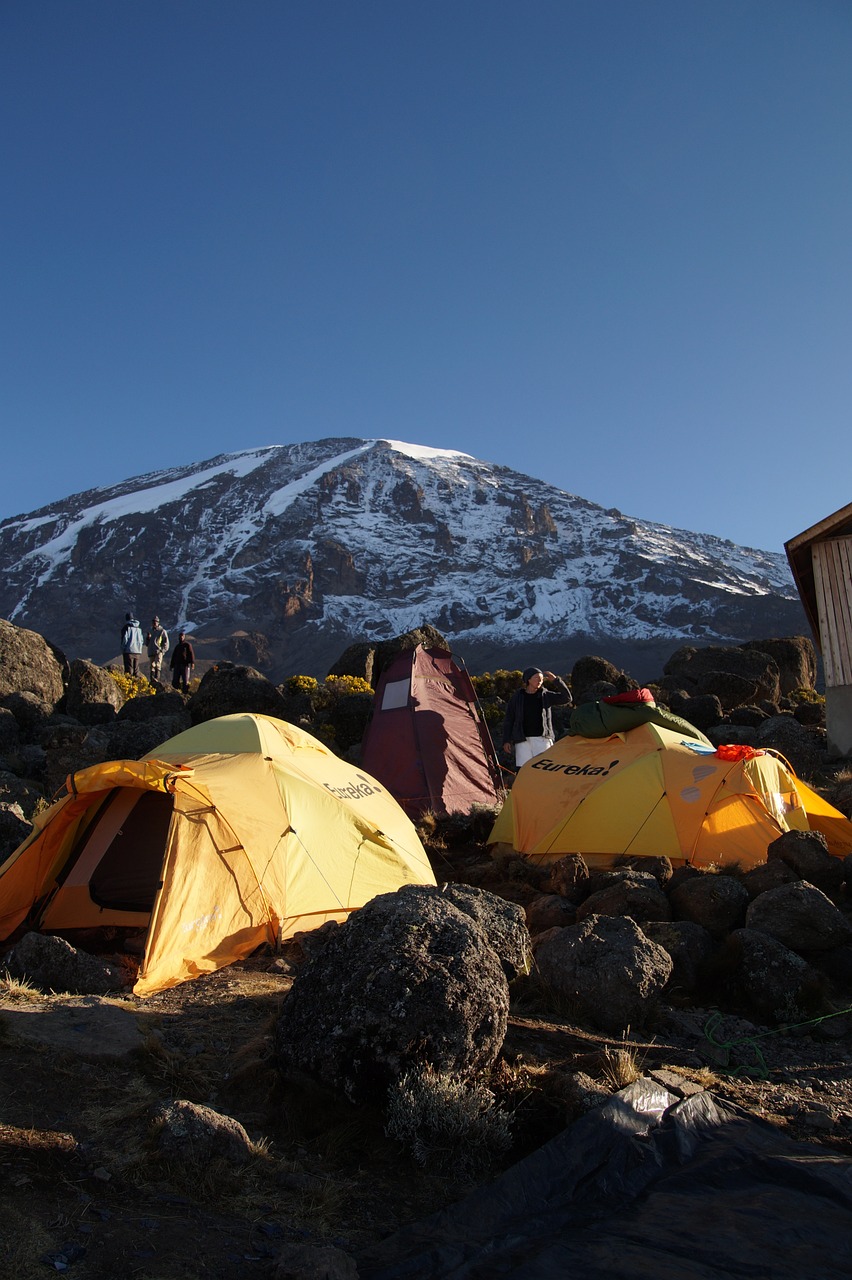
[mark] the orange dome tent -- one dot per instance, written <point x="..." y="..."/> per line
<point x="653" y="790"/>
<point x="238" y="832"/>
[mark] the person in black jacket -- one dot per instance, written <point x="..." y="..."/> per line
<point x="528" y="726"/>
<point x="183" y="660"/>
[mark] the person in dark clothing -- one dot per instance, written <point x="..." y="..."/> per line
<point x="183" y="660"/>
<point x="528" y="726"/>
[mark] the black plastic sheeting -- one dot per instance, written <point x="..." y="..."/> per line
<point x="645" y="1186"/>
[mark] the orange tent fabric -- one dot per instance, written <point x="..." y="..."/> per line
<point x="241" y="831"/>
<point x="651" y="791"/>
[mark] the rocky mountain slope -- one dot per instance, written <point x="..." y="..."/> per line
<point x="284" y="555"/>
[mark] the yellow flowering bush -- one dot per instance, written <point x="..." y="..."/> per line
<point x="302" y="684"/>
<point x="347" y="684"/>
<point x="132" y="686"/>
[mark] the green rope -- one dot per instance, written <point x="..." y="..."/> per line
<point x="759" y="1067"/>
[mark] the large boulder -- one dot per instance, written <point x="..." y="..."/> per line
<point x="692" y="666"/>
<point x="31" y="712"/>
<point x="52" y="964"/>
<point x="549" y="911"/>
<point x="408" y="982"/>
<point x="795" y="657"/>
<point x="768" y="979"/>
<point x="801" y="917"/>
<point x="806" y="854"/>
<point x="167" y="703"/>
<point x="29" y="664"/>
<point x="632" y="893"/>
<point x="357" y="660"/>
<point x="502" y="922"/>
<point x="227" y="690"/>
<point x="93" y="696"/>
<point x="691" y="949"/>
<point x="703" y="710"/>
<point x="608" y="967"/>
<point x="717" y="902"/>
<point x="803" y="746"/>
<point x="589" y="674"/>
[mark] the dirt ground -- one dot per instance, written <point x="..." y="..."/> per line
<point x="84" y="1189"/>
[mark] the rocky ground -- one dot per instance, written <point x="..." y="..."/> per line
<point x="87" y="1189"/>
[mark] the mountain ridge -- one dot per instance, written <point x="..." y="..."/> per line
<point x="317" y="545"/>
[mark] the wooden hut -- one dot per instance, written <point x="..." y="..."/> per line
<point x="821" y="561"/>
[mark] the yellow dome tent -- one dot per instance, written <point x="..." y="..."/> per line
<point x="238" y="832"/>
<point x="652" y="791"/>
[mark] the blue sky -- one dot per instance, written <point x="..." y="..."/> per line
<point x="607" y="243"/>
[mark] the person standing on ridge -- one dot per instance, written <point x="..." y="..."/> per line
<point x="183" y="660"/>
<point x="528" y="726"/>
<point x="157" y="641"/>
<point x="131" y="644"/>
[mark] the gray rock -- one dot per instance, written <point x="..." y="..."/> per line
<point x="729" y="687"/>
<point x="795" y="657"/>
<point x="93" y="696"/>
<point x="753" y="665"/>
<point x="408" y="981"/>
<point x="691" y="949"/>
<point x="29" y="664"/>
<point x="31" y="712"/>
<point x="14" y="828"/>
<point x="9" y="732"/>
<point x="704" y="711"/>
<point x="716" y="902"/>
<point x="590" y="673"/>
<point x="52" y="964"/>
<point x="802" y="746"/>
<point x="773" y="983"/>
<point x="767" y="875"/>
<point x="801" y="917"/>
<point x="806" y="853"/>
<point x="549" y="911"/>
<point x="502" y="922"/>
<point x="226" y="690"/>
<point x="607" y="966"/>
<point x="639" y="897"/>
<point x="197" y="1134"/>
<point x="568" y="877"/>
<point x="163" y="704"/>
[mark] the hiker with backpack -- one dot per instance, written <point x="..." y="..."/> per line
<point x="157" y="641"/>
<point x="528" y="726"/>
<point x="131" y="645"/>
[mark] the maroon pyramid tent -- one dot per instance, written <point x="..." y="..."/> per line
<point x="427" y="741"/>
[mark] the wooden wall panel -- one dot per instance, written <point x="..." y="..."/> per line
<point x="832" y="561"/>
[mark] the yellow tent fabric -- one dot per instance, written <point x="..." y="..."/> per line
<point x="651" y="791"/>
<point x="262" y="832"/>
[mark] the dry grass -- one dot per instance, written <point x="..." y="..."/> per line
<point x="620" y="1066"/>
<point x="19" y="988"/>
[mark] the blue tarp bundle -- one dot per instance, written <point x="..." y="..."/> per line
<point x="646" y="1187"/>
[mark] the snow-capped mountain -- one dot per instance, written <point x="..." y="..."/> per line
<point x="310" y="547"/>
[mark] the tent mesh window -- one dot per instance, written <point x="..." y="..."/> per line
<point x="129" y="873"/>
